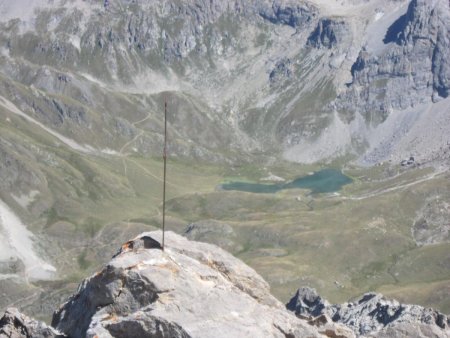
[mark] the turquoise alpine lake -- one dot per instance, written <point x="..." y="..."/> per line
<point x="322" y="181"/>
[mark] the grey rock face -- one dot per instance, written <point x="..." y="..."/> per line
<point x="148" y="327"/>
<point x="155" y="34"/>
<point x="410" y="70"/>
<point x="307" y="302"/>
<point x="14" y="324"/>
<point x="328" y="33"/>
<point x="290" y="13"/>
<point x="212" y="49"/>
<point x="190" y="289"/>
<point x="374" y="315"/>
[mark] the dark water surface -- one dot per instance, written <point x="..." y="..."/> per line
<point x="325" y="180"/>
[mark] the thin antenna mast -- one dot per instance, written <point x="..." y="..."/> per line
<point x="165" y="166"/>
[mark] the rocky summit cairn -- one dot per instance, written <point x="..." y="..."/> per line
<point x="372" y="315"/>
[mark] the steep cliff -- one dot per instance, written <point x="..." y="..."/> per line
<point x="411" y="67"/>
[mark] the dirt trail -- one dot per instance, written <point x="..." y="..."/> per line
<point x="394" y="188"/>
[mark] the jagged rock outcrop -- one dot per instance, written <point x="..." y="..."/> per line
<point x="189" y="290"/>
<point x="328" y="33"/>
<point x="190" y="29"/>
<point x="373" y="315"/>
<point x="307" y="302"/>
<point x="411" y="68"/>
<point x="289" y="13"/>
<point x="14" y="324"/>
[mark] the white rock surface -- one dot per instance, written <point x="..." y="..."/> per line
<point x="191" y="289"/>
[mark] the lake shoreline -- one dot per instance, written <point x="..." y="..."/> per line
<point x="326" y="180"/>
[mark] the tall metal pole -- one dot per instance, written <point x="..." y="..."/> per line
<point x="165" y="166"/>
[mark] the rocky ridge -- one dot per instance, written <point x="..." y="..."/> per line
<point x="411" y="59"/>
<point x="229" y="66"/>
<point x="14" y="324"/>
<point x="372" y="315"/>
<point x="233" y="64"/>
<point x="395" y="82"/>
<point x="190" y="289"/>
<point x="397" y="77"/>
<point x="194" y="289"/>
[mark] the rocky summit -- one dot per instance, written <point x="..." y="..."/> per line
<point x="190" y="289"/>
<point x="259" y="94"/>
<point x="194" y="289"/>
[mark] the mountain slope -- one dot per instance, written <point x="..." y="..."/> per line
<point x="250" y="76"/>
<point x="249" y="85"/>
<point x="193" y="289"/>
<point x="188" y="290"/>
